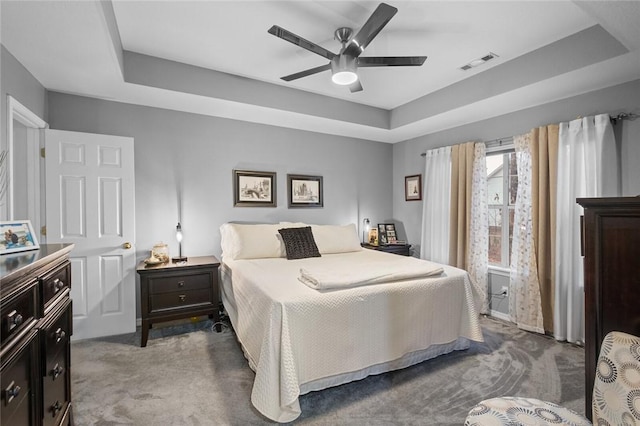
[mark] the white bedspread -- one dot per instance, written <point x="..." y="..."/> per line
<point x="298" y="339"/>
<point x="339" y="272"/>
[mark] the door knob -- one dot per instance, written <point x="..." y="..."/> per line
<point x="126" y="246"/>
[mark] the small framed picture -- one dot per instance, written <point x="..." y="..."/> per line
<point x="373" y="237"/>
<point x="304" y="191"/>
<point x="17" y="235"/>
<point x="254" y="189"/>
<point x="387" y="233"/>
<point x="413" y="188"/>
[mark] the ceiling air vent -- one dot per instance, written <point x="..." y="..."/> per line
<point x="476" y="62"/>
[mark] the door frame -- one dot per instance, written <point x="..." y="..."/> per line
<point x="35" y="125"/>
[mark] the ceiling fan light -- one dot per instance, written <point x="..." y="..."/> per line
<point x="343" y="70"/>
<point x="344" y="78"/>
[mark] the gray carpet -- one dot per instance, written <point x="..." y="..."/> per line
<point x="189" y="375"/>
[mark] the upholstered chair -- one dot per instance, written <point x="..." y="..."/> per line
<point x="616" y="394"/>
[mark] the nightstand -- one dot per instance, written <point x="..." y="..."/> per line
<point x="401" y="249"/>
<point x="172" y="291"/>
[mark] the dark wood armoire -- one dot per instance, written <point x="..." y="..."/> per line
<point x="611" y="249"/>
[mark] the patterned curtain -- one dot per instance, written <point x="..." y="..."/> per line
<point x="525" y="308"/>
<point x="478" y="252"/>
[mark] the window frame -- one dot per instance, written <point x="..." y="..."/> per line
<point x="503" y="149"/>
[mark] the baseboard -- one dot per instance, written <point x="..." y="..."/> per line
<point x="500" y="315"/>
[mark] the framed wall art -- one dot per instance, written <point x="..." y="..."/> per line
<point x="304" y="191"/>
<point x="254" y="189"/>
<point x="17" y="235"/>
<point x="413" y="188"/>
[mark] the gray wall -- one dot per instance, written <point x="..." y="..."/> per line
<point x="195" y="155"/>
<point x="624" y="97"/>
<point x="18" y="82"/>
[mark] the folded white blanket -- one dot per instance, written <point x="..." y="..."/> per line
<point x="345" y="276"/>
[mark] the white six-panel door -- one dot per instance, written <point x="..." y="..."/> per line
<point x="90" y="202"/>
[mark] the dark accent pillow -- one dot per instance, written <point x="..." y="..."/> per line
<point x="299" y="243"/>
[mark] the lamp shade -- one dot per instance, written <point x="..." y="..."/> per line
<point x="343" y="70"/>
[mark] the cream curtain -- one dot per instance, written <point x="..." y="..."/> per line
<point x="460" y="211"/>
<point x="478" y="253"/>
<point x="544" y="175"/>
<point x="436" y="199"/>
<point x="525" y="308"/>
<point x="587" y="167"/>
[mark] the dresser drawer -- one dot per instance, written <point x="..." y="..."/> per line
<point x="55" y="335"/>
<point x="19" y="312"/>
<point x="56" y="394"/>
<point x="181" y="299"/>
<point x="18" y="382"/>
<point x="179" y="282"/>
<point x="55" y="283"/>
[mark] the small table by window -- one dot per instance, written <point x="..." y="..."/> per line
<point x="172" y="291"/>
<point x="401" y="249"/>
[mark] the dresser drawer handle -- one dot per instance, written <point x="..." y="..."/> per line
<point x="55" y="408"/>
<point x="57" y="285"/>
<point x="12" y="391"/>
<point x="180" y="284"/>
<point x="59" y="335"/>
<point x="57" y="371"/>
<point x="14" y="319"/>
<point x="182" y="297"/>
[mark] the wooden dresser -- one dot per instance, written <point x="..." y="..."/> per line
<point x="36" y="329"/>
<point x="611" y="249"/>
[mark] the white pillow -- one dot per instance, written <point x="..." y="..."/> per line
<point x="245" y="241"/>
<point x="253" y="241"/>
<point x="336" y="239"/>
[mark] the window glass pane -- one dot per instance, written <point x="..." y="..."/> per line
<point x="495" y="235"/>
<point x="494" y="179"/>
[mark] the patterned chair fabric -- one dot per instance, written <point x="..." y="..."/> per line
<point x="616" y="394"/>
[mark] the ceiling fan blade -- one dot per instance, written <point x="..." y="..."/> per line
<point x="299" y="41"/>
<point x="391" y="61"/>
<point x="370" y="29"/>
<point x="308" y="72"/>
<point x="356" y="87"/>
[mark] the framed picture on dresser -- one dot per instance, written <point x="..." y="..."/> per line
<point x="17" y="235"/>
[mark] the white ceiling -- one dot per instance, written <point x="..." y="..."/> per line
<point x="77" y="47"/>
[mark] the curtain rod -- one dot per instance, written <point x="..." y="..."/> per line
<point x="623" y="116"/>
<point x="614" y="120"/>
<point x="489" y="144"/>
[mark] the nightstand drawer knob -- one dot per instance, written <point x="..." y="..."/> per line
<point x="182" y="297"/>
<point x="180" y="283"/>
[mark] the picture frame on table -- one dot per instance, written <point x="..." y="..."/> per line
<point x="387" y="233"/>
<point x="17" y="236"/>
<point x="413" y="188"/>
<point x="254" y="189"/>
<point x="373" y="237"/>
<point x="304" y="191"/>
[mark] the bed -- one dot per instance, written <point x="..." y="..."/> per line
<point x="300" y="336"/>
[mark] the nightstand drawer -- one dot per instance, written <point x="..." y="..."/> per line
<point x="179" y="282"/>
<point x="181" y="299"/>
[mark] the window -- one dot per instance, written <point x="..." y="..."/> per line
<point x="502" y="188"/>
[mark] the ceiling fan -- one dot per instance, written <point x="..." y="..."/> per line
<point x="344" y="65"/>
